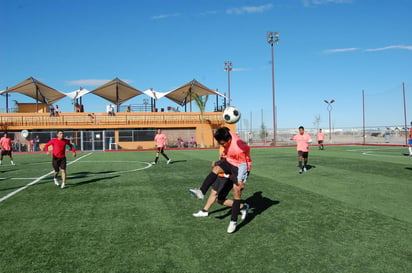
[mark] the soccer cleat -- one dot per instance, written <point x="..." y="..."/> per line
<point x="304" y="169"/>
<point x="300" y="171"/>
<point x="168" y="161"/>
<point x="244" y="211"/>
<point x="62" y="186"/>
<point x="198" y="193"/>
<point x="232" y="227"/>
<point x="56" y="182"/>
<point x="153" y="163"/>
<point x="12" y="163"/>
<point x="201" y="213"/>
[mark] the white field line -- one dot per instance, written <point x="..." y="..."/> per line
<point x="36" y="180"/>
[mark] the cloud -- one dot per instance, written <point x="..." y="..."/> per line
<point x="249" y="9"/>
<point x="91" y="82"/>
<point x="390" y="47"/>
<point x="308" y="3"/>
<point x="163" y="16"/>
<point x="240" y="69"/>
<point x="338" y="50"/>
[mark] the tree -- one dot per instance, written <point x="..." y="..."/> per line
<point x="263" y="132"/>
<point x="316" y="122"/>
<point x="201" y="104"/>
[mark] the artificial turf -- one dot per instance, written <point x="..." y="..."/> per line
<point x="351" y="212"/>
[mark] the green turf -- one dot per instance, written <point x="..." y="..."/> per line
<point x="351" y="212"/>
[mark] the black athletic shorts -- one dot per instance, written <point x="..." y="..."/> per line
<point x="59" y="163"/>
<point x="4" y="152"/>
<point x="303" y="154"/>
<point x="320" y="141"/>
<point x="228" y="169"/>
<point x="222" y="186"/>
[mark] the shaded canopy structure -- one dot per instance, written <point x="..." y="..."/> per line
<point x="184" y="94"/>
<point x="116" y="91"/>
<point x="36" y="90"/>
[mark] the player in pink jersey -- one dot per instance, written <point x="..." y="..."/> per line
<point x="59" y="155"/>
<point x="321" y="138"/>
<point x="236" y="164"/>
<point x="302" y="140"/>
<point x="161" y="142"/>
<point x="219" y="192"/>
<point x="6" y="147"/>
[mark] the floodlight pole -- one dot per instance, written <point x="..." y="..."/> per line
<point x="228" y="68"/>
<point x="273" y="38"/>
<point x="329" y="108"/>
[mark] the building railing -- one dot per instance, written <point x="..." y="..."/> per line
<point x="102" y="120"/>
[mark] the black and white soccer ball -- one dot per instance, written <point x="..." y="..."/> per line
<point x="231" y="114"/>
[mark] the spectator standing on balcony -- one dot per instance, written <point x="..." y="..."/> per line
<point x="56" y="110"/>
<point x="59" y="156"/>
<point x="51" y="110"/>
<point x="5" y="145"/>
<point x="161" y="142"/>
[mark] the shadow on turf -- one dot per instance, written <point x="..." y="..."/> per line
<point x="177" y="161"/>
<point x="94" y="180"/>
<point x="409" y="168"/>
<point x="258" y="204"/>
<point x="308" y="167"/>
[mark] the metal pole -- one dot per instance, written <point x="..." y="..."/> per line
<point x="228" y="68"/>
<point x="404" y="113"/>
<point x="363" y="118"/>
<point x="273" y="95"/>
<point x="330" y="127"/>
<point x="273" y="38"/>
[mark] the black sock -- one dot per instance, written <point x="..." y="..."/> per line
<point x="156" y="159"/>
<point x="235" y="209"/>
<point x="207" y="183"/>
<point x="300" y="164"/>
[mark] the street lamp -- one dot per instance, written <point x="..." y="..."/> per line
<point x="228" y="68"/>
<point x="329" y="108"/>
<point x="273" y="38"/>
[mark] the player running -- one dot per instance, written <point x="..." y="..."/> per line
<point x="161" y="142"/>
<point x="321" y="138"/>
<point x="6" y="147"/>
<point x="59" y="161"/>
<point x="302" y="140"/>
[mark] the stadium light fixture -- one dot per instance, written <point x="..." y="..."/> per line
<point x="329" y="108"/>
<point x="228" y="68"/>
<point x="273" y="38"/>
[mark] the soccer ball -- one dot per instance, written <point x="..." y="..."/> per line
<point x="231" y="114"/>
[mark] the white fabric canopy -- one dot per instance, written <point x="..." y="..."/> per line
<point x="78" y="93"/>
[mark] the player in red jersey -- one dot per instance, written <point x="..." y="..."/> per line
<point x="59" y="155"/>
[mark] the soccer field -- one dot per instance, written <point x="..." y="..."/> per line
<point x="351" y="212"/>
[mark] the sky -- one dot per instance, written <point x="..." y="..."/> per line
<point x="328" y="49"/>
